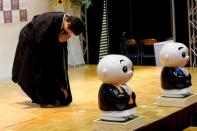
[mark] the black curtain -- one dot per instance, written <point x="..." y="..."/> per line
<point x="118" y="13"/>
<point x="94" y="24"/>
<point x="140" y="19"/>
<point x="118" y="22"/>
<point x="181" y="22"/>
<point x="152" y="19"/>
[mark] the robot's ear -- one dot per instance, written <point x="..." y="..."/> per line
<point x="166" y="57"/>
<point x="104" y="72"/>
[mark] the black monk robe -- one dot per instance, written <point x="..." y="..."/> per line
<point x="40" y="63"/>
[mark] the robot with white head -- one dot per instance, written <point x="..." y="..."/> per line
<point x="175" y="79"/>
<point x="116" y="100"/>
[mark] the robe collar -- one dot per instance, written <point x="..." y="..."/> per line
<point x="64" y="17"/>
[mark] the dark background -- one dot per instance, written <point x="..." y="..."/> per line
<point x="140" y="19"/>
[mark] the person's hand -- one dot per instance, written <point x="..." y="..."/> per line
<point x="131" y="100"/>
<point x="63" y="37"/>
<point x="65" y="92"/>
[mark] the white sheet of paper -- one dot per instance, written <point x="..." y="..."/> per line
<point x="22" y="4"/>
<point x="6" y="4"/>
<point x="1" y="17"/>
<point x="15" y="16"/>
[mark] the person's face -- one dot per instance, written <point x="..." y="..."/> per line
<point x="67" y="28"/>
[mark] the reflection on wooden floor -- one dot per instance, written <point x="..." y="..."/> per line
<point x="17" y="113"/>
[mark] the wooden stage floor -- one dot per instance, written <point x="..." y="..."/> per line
<point x="17" y="113"/>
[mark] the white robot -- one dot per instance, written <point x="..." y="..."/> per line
<point x="175" y="79"/>
<point x="116" y="99"/>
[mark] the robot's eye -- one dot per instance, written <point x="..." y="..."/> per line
<point x="183" y="54"/>
<point x="124" y="69"/>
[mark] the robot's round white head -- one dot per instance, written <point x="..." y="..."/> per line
<point x="174" y="54"/>
<point x="115" y="69"/>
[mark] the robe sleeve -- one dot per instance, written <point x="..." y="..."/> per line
<point x="113" y="95"/>
<point x="46" y="28"/>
